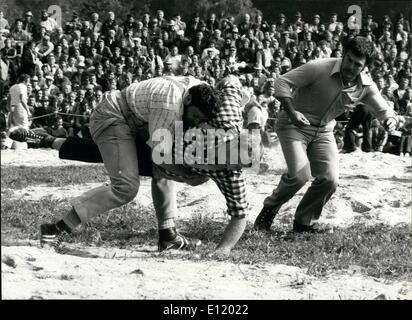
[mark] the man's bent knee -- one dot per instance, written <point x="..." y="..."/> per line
<point x="125" y="192"/>
<point x="331" y="182"/>
<point x="302" y="177"/>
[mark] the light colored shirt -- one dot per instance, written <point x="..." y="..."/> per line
<point x="175" y="61"/>
<point x="50" y="24"/>
<point x="15" y="92"/>
<point x="4" y="70"/>
<point x="320" y="96"/>
<point x="4" y="25"/>
<point x="19" y="114"/>
<point x="45" y="49"/>
<point x="157" y="102"/>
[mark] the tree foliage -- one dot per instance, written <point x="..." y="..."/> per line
<point x="222" y="8"/>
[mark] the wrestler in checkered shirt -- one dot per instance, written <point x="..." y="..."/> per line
<point x="228" y="117"/>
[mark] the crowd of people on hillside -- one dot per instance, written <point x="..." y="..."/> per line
<point x="62" y="71"/>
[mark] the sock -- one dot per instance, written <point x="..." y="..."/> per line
<point x="71" y="220"/>
<point x="167" y="234"/>
<point x="167" y="224"/>
<point x="57" y="144"/>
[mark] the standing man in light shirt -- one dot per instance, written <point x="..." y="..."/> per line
<point x="4" y="24"/>
<point x="17" y="100"/>
<point x="321" y="89"/>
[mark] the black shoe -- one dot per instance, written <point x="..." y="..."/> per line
<point x="265" y="219"/>
<point x="51" y="235"/>
<point x="170" y="239"/>
<point x="23" y="135"/>
<point x="36" y="140"/>
<point x="314" y="228"/>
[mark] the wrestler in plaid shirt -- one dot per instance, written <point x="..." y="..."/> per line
<point x="229" y="118"/>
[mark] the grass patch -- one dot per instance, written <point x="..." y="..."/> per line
<point x="379" y="251"/>
<point x="125" y="226"/>
<point x="21" y="177"/>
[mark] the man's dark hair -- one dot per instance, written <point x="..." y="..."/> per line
<point x="23" y="77"/>
<point x="378" y="76"/>
<point x="360" y="47"/>
<point x="206" y="98"/>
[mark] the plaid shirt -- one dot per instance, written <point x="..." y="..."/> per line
<point x="231" y="183"/>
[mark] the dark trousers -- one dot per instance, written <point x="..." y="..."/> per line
<point x="360" y="116"/>
<point x="406" y="144"/>
<point x="80" y="149"/>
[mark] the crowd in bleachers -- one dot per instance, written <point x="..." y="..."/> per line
<point x="70" y="66"/>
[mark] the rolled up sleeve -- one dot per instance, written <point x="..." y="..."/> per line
<point x="377" y="104"/>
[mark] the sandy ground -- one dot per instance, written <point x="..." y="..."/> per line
<point x="374" y="188"/>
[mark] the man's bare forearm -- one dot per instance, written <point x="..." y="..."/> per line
<point x="287" y="105"/>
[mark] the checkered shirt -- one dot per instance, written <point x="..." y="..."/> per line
<point x="231" y="183"/>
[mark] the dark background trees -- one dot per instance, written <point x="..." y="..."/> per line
<point x="269" y="8"/>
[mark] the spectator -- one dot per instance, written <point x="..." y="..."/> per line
<point x="180" y="25"/>
<point x="4" y="24"/>
<point x="161" y="50"/>
<point x="103" y="50"/>
<point x="265" y="55"/>
<point x="160" y="16"/>
<point x="184" y="69"/>
<point x="47" y="23"/>
<point x="29" y="59"/>
<point x="110" y="40"/>
<point x="175" y="58"/>
<point x="193" y="25"/>
<point x="405" y="145"/>
<point x="20" y="36"/>
<point x="96" y="25"/>
<point x="52" y="89"/>
<point x="404" y="22"/>
<point x="44" y="48"/>
<point x="282" y="26"/>
<point x="87" y="58"/>
<point x="57" y="129"/>
<point x="129" y="24"/>
<point x="379" y="136"/>
<point x="401" y="37"/>
<point x="360" y="116"/>
<point x="401" y="101"/>
<point x="154" y="60"/>
<point x="74" y="24"/>
<point x="333" y="22"/>
<point x="40" y="112"/>
<point x="109" y="24"/>
<point x="28" y="25"/>
<point x="154" y="30"/>
<point x="285" y="40"/>
<point x="18" y="98"/>
<point x="298" y="23"/>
